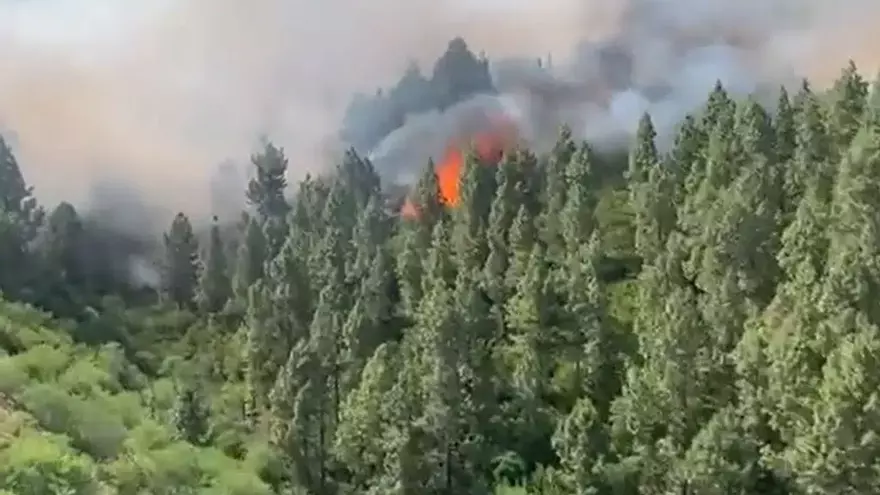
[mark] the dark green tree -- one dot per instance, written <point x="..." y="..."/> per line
<point x="555" y="188"/>
<point x="251" y="258"/>
<point x="20" y="218"/>
<point x="849" y="100"/>
<point x="459" y="74"/>
<point x="191" y="417"/>
<point x="215" y="286"/>
<point x="63" y="247"/>
<point x="266" y="194"/>
<point x="181" y="263"/>
<point x="416" y="238"/>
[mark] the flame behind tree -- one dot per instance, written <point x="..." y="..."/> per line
<point x="487" y="145"/>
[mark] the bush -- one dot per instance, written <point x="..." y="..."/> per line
<point x="40" y="464"/>
<point x="93" y="429"/>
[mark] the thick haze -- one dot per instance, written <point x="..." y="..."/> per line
<point x="155" y="95"/>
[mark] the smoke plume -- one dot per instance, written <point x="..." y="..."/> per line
<point x="157" y="95"/>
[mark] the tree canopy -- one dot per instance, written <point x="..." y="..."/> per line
<point x="698" y="318"/>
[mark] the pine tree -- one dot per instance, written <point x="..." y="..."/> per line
<point x="370" y="234"/>
<point x="554" y="195"/>
<point x="581" y="443"/>
<point x="318" y="404"/>
<point x="458" y="75"/>
<point x="479" y="332"/>
<point x="413" y="92"/>
<point x="785" y="128"/>
<point x="291" y="293"/>
<point x="837" y="450"/>
<point x="687" y="158"/>
<point x="529" y="311"/>
<point x="850" y="93"/>
<point x="281" y="398"/>
<point x="509" y="197"/>
<point x="723" y="458"/>
<point x="63" y="247"/>
<point x="586" y="331"/>
<point x="853" y="273"/>
<point x="428" y="199"/>
<point x="577" y="213"/>
<point x="643" y="157"/>
<point x="417" y="239"/>
<point x="753" y="214"/>
<point x="445" y="412"/>
<point x="265" y="193"/>
<point x="191" y="417"/>
<point x="719" y="109"/>
<point x="784" y="364"/>
<point x="20" y="218"/>
<point x="327" y="267"/>
<point x="370" y="322"/>
<point x="872" y="109"/>
<point x="651" y="192"/>
<point x="521" y="240"/>
<point x="215" y="287"/>
<point x="472" y="213"/>
<point x="366" y="416"/>
<point x="180" y="268"/>
<point x="359" y="178"/>
<point x="268" y="343"/>
<point x="251" y="257"/>
<point x="812" y="154"/>
<point x="299" y="423"/>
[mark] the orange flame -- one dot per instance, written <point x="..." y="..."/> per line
<point x="489" y="147"/>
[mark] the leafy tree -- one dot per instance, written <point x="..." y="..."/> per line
<point x="37" y="464"/>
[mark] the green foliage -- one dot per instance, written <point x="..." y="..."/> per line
<point x="76" y="420"/>
<point x="703" y="320"/>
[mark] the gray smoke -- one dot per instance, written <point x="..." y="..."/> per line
<point x="403" y="153"/>
<point x="154" y="95"/>
<point x="661" y="57"/>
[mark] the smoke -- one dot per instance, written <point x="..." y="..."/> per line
<point x="661" y="57"/>
<point x="156" y="95"/>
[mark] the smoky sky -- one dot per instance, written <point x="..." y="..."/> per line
<point x="157" y="95"/>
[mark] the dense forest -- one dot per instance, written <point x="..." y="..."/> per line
<point x="702" y="320"/>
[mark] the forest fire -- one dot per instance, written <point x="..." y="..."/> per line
<point x="489" y="146"/>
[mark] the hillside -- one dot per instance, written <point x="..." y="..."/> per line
<point x="77" y="419"/>
<point x="697" y="320"/>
